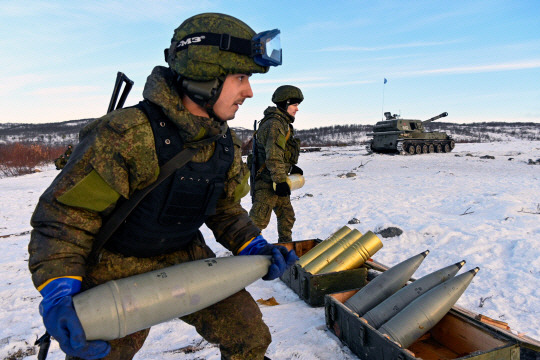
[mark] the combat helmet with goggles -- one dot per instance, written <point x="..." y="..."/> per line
<point x="207" y="47"/>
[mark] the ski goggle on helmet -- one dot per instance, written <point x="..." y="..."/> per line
<point x="264" y="48"/>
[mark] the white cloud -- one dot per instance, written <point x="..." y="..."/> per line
<point x="123" y="10"/>
<point x="65" y="90"/>
<point x="288" y="80"/>
<point x="270" y="86"/>
<point x="531" y="64"/>
<point x="386" y="47"/>
<point x="12" y="84"/>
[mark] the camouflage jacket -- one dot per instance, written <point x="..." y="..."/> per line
<point x="115" y="157"/>
<point x="277" y="147"/>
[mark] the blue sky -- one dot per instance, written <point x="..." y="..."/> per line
<point x="477" y="60"/>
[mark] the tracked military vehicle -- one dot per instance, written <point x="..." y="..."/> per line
<point x="404" y="136"/>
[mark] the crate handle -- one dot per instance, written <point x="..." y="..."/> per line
<point x="329" y="310"/>
<point x="361" y="335"/>
<point x="305" y="288"/>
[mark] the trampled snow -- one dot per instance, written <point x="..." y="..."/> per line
<point x="457" y="205"/>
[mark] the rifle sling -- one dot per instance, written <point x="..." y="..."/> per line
<point x="124" y="209"/>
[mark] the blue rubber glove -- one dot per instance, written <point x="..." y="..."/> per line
<point x="61" y="321"/>
<point x="281" y="257"/>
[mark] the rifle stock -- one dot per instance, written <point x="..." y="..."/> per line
<point x="120" y="79"/>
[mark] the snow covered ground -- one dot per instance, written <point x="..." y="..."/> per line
<point x="457" y="205"/>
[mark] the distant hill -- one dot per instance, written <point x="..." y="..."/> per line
<point x="61" y="133"/>
<point x="64" y="133"/>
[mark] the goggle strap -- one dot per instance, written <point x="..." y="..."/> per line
<point x="225" y="42"/>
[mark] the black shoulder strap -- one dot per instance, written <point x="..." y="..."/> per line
<point x="124" y="209"/>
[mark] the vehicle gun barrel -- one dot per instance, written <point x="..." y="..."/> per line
<point x="441" y="115"/>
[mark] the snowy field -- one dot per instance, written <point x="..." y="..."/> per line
<point x="457" y="205"/>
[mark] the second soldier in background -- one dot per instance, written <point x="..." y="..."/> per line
<point x="277" y="151"/>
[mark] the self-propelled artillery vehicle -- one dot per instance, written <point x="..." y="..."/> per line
<point x="404" y="136"/>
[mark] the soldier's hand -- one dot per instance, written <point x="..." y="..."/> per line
<point x="281" y="257"/>
<point x="296" y="170"/>
<point x="283" y="189"/>
<point x="62" y="322"/>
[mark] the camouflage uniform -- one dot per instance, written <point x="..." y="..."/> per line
<point x="116" y="157"/>
<point x="278" y="150"/>
<point x="61" y="161"/>
<point x="68" y="151"/>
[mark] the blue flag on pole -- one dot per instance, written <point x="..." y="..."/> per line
<point x="385" y="81"/>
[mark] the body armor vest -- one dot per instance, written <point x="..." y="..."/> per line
<point x="292" y="149"/>
<point x="169" y="217"/>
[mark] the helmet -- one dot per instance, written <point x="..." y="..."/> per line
<point x="208" y="61"/>
<point x="286" y="95"/>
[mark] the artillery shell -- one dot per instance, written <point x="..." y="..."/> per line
<point x="295" y="181"/>
<point x="404" y="296"/>
<point x="324" y="259"/>
<point x="355" y="255"/>
<point x="426" y="311"/>
<point x="121" y="307"/>
<point x="324" y="245"/>
<point x="384" y="285"/>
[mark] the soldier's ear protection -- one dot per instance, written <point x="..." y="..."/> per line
<point x="200" y="91"/>
<point x="204" y="93"/>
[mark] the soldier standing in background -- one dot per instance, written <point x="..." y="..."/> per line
<point x="277" y="151"/>
<point x="61" y="161"/>
<point x="186" y="105"/>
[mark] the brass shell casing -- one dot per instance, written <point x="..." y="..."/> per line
<point x="295" y="181"/>
<point x="332" y="252"/>
<point x="321" y="247"/>
<point x="355" y="255"/>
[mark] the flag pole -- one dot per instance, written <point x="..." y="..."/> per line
<point x="382" y="107"/>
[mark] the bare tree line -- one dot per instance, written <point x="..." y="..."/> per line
<point x="65" y="133"/>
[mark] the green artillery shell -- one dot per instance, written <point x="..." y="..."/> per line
<point x="391" y="306"/>
<point x="426" y="311"/>
<point x="321" y="247"/>
<point x="384" y="285"/>
<point x="324" y="259"/>
<point x="355" y="255"/>
<point x="121" y="307"/>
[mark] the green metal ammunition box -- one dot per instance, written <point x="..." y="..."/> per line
<point x="312" y="288"/>
<point x="459" y="335"/>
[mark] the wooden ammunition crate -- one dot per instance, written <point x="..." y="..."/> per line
<point x="312" y="288"/>
<point x="457" y="336"/>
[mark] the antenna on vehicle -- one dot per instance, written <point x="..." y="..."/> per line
<point x="382" y="107"/>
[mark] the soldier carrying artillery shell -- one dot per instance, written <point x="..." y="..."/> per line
<point x="181" y="121"/>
